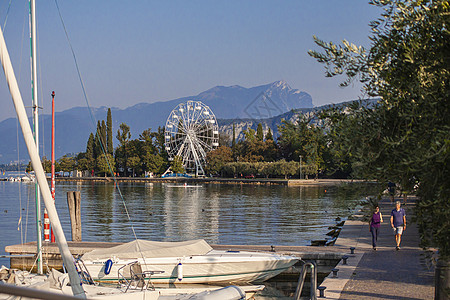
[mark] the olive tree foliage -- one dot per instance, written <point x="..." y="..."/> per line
<point x="405" y="137"/>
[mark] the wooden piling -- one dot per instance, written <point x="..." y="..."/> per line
<point x="74" y="203"/>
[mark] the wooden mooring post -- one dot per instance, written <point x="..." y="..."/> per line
<point x="74" y="202"/>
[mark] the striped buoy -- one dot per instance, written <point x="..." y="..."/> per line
<point x="46" y="227"/>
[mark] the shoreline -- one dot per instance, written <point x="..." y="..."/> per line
<point x="215" y="180"/>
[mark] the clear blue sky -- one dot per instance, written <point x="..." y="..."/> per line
<point x="146" y="51"/>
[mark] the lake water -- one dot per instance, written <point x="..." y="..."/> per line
<point x="220" y="214"/>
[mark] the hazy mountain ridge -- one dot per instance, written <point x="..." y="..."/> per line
<point x="74" y="125"/>
<point x="226" y="125"/>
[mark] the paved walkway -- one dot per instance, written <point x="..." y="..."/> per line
<point x="385" y="273"/>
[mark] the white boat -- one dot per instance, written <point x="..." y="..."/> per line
<point x="185" y="262"/>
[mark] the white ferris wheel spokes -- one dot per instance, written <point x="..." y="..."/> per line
<point x="191" y="132"/>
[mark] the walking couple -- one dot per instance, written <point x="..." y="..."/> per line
<point x="398" y="223"/>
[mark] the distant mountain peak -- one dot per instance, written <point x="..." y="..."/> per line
<point x="281" y="84"/>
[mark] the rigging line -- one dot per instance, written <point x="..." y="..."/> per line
<point x="6" y="18"/>
<point x="27" y="213"/>
<point x="22" y="235"/>
<point x="40" y="87"/>
<point x="19" y="225"/>
<point x="94" y="122"/>
<point x="76" y="64"/>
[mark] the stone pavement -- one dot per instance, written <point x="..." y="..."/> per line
<point x="385" y="273"/>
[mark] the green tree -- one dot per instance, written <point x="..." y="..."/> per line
<point x="338" y="152"/>
<point x="97" y="141"/>
<point x="66" y="163"/>
<point x="259" y="132"/>
<point x="105" y="164"/>
<point x="270" y="150"/>
<point x="134" y="162"/>
<point x="406" y="136"/>
<point x="103" y="137"/>
<point x="90" y="146"/>
<point x="152" y="160"/>
<point x="290" y="140"/>
<point x="82" y="164"/>
<point x="135" y="154"/>
<point x="305" y="139"/>
<point x="269" y="136"/>
<point x="250" y="149"/>
<point x="177" y="165"/>
<point x="159" y="140"/>
<point x="217" y="158"/>
<point x="46" y="165"/>
<point x="109" y="134"/>
<point x="250" y="135"/>
<point x="121" y="155"/>
<point x="154" y="163"/>
<point x="286" y="168"/>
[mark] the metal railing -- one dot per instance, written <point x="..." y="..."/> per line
<point x="85" y="276"/>
<point x="301" y="280"/>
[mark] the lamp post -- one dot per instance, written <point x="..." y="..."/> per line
<point x="300" y="171"/>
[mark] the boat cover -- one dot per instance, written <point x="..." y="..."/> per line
<point x="149" y="249"/>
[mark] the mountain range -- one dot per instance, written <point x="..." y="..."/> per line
<point x="230" y="103"/>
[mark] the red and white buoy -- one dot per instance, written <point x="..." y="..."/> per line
<point x="46" y="227"/>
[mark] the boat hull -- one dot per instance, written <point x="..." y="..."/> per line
<point x="214" y="267"/>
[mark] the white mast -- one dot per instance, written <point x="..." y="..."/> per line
<point x="36" y="129"/>
<point x="37" y="166"/>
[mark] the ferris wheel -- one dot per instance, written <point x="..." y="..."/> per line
<point x="191" y="132"/>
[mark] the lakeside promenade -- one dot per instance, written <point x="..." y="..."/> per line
<point x="384" y="273"/>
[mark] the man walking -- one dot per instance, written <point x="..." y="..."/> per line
<point x="398" y="223"/>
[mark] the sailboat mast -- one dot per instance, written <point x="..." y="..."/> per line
<point x="36" y="129"/>
<point x="37" y="166"/>
<point x="53" y="156"/>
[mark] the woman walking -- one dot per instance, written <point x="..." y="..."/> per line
<point x="374" y="226"/>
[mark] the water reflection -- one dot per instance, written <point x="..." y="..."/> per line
<point x="223" y="214"/>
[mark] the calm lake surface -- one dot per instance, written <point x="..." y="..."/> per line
<point x="220" y="214"/>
